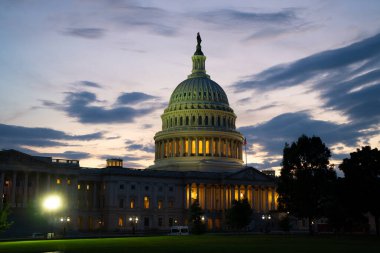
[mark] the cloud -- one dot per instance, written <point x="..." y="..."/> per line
<point x="16" y="136"/>
<point x="81" y="105"/>
<point x="87" y="33"/>
<point x="89" y="84"/>
<point x="286" y="128"/>
<point x="147" y="126"/>
<point x="262" y="108"/>
<point x="257" y="25"/>
<point x="133" y="98"/>
<point x="347" y="80"/>
<point x="71" y="155"/>
<point x="132" y="145"/>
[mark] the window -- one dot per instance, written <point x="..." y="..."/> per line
<point x="170" y="188"/>
<point x="133" y="187"/>
<point x="146" y="202"/>
<point x="160" y="221"/>
<point x="78" y="186"/>
<point x="88" y="187"/>
<point x="68" y="181"/>
<point x="58" y="181"/>
<point x="146" y="221"/>
<point x="171" y="203"/>
<point x="120" y="222"/>
<point x="146" y="188"/>
<point x="159" y="204"/>
<point x="132" y="204"/>
<point x="170" y="222"/>
<point x="121" y="187"/>
<point x="160" y="189"/>
<point x="121" y="203"/>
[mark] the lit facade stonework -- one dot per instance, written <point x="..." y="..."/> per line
<point x="198" y="157"/>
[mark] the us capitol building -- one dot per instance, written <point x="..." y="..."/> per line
<point x="198" y="157"/>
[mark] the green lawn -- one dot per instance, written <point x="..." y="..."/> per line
<point x="205" y="243"/>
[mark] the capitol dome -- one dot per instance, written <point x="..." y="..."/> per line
<point x="198" y="126"/>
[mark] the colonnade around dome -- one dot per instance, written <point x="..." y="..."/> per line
<point x="199" y="119"/>
<point x="198" y="146"/>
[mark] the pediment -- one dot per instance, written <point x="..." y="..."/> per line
<point x="250" y="174"/>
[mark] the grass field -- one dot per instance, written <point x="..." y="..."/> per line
<point x="205" y="243"/>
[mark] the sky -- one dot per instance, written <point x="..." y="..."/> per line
<point x="89" y="80"/>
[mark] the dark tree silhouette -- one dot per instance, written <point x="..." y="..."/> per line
<point x="306" y="179"/>
<point x="4" y="222"/>
<point x="362" y="175"/>
<point x="239" y="215"/>
<point x="195" y="219"/>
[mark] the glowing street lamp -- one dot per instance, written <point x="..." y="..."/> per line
<point x="52" y="203"/>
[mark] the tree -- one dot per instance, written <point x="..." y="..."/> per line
<point x="195" y="217"/>
<point x="362" y="176"/>
<point x="4" y="223"/>
<point x="239" y="215"/>
<point x="306" y="179"/>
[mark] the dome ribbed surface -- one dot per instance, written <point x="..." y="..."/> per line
<point x="199" y="90"/>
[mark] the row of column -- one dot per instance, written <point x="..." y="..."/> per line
<point x="220" y="197"/>
<point x="18" y="188"/>
<point x="198" y="146"/>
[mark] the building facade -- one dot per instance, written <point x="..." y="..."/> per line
<point x="198" y="157"/>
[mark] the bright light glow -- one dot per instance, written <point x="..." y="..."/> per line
<point x="202" y="218"/>
<point x="52" y="203"/>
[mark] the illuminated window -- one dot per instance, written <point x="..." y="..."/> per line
<point x="159" y="204"/>
<point x="78" y="186"/>
<point x="88" y="187"/>
<point x="186" y="146"/>
<point x="120" y="222"/>
<point x="146" y="202"/>
<point x="132" y="203"/>
<point x="68" y="181"/>
<point x="207" y="147"/>
<point x="58" y="181"/>
<point x="171" y="203"/>
<point x="193" y="147"/>
<point x="200" y="146"/>
<point x="6" y="182"/>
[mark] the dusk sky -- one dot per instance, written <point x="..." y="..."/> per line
<point x="89" y="80"/>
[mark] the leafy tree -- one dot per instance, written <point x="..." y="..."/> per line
<point x="239" y="215"/>
<point x="4" y="223"/>
<point x="195" y="217"/>
<point x="306" y="179"/>
<point x="362" y="175"/>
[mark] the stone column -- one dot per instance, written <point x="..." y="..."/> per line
<point x="13" y="198"/>
<point x="190" y="146"/>
<point x="220" y="146"/>
<point x="212" y="146"/>
<point x="198" y="197"/>
<point x="205" y="196"/>
<point x="25" y="197"/>
<point x="189" y="196"/>
<point x="259" y="193"/>
<point x="182" y="146"/>
<point x="252" y="197"/>
<point x="204" y="146"/>
<point x="246" y="191"/>
<point x="2" y="188"/>
<point x="196" y="146"/>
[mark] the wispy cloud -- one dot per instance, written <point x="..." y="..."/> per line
<point x="132" y="145"/>
<point x="88" y="84"/>
<point x="83" y="106"/>
<point x="86" y="32"/>
<point x="134" y="97"/>
<point x="16" y="136"/>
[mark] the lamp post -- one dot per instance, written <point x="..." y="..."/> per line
<point x="64" y="221"/>
<point x="133" y="221"/>
<point x="51" y="204"/>
<point x="266" y="219"/>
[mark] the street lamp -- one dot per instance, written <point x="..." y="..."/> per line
<point x="51" y="203"/>
<point x="133" y="220"/>
<point x="266" y="218"/>
<point x="64" y="222"/>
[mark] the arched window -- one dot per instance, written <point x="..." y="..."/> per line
<point x="212" y="121"/>
<point x="218" y="121"/>
<point x="187" y="120"/>
<point x="199" y="120"/>
<point x="181" y="121"/>
<point x="206" y="120"/>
